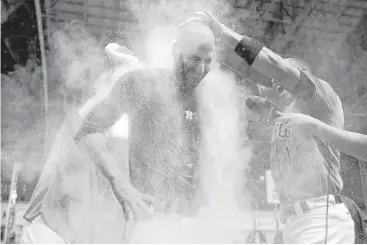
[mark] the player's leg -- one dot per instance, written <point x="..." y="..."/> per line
<point x="311" y="227"/>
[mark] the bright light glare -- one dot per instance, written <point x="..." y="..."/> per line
<point x="121" y="127"/>
<point x="159" y="47"/>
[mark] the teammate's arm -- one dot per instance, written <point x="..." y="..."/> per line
<point x="264" y="60"/>
<point x="351" y="143"/>
<point x="260" y="58"/>
<point x="313" y="96"/>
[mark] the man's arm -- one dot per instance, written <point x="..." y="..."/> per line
<point x="313" y="96"/>
<point x="318" y="99"/>
<point x="268" y="63"/>
<point x="348" y="142"/>
<point x="105" y="108"/>
<point x="96" y="147"/>
<point x="98" y="115"/>
<point x="237" y="65"/>
<point x="351" y="143"/>
<point x="257" y="56"/>
<point x="261" y="58"/>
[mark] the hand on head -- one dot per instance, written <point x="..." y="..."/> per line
<point x="208" y="19"/>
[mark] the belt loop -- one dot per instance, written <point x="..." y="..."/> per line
<point x="298" y="208"/>
<point x="283" y="215"/>
<point x="338" y="199"/>
<point x="305" y="207"/>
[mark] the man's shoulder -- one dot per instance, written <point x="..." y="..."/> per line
<point x="324" y="92"/>
<point x="327" y="91"/>
<point x="141" y="77"/>
<point x="146" y="72"/>
<point x="126" y="79"/>
<point x="325" y="105"/>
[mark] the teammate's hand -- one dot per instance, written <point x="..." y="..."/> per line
<point x="299" y="122"/>
<point x="265" y="108"/>
<point x="208" y="19"/>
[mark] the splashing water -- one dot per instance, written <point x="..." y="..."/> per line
<point x="223" y="155"/>
<point x="158" y="56"/>
<point x="224" y="158"/>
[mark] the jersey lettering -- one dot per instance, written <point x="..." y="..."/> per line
<point x="281" y="132"/>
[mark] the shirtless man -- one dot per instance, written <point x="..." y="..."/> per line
<point x="305" y="170"/>
<point x="164" y="137"/>
<point x="164" y="124"/>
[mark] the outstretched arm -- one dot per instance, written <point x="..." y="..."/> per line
<point x="264" y="60"/>
<point x="316" y="97"/>
<point x="260" y="58"/>
<point x="351" y="143"/>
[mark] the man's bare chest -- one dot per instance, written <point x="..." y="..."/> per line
<point x="162" y="119"/>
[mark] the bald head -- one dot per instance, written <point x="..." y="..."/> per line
<point x="194" y="34"/>
<point x="194" y="51"/>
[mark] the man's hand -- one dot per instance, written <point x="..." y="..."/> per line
<point x="263" y="107"/>
<point x="208" y="19"/>
<point x="142" y="205"/>
<point x="299" y="122"/>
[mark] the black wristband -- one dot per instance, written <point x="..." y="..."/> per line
<point x="248" y="49"/>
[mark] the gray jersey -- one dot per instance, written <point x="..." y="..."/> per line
<point x="300" y="165"/>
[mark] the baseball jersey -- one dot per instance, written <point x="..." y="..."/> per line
<point x="300" y="164"/>
<point x="163" y="135"/>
